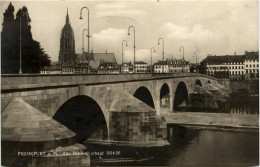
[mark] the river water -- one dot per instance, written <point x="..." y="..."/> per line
<point x="192" y="147"/>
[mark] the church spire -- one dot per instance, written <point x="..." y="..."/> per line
<point x="67" y="17"/>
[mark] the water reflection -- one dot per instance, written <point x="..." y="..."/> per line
<point x="203" y="147"/>
<point x="244" y="104"/>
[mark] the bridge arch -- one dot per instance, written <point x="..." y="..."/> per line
<point x="181" y="95"/>
<point x="198" y="82"/>
<point x="165" y="96"/>
<point x="143" y="94"/>
<point x="84" y="116"/>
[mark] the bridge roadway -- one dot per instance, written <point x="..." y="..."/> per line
<point x="129" y="106"/>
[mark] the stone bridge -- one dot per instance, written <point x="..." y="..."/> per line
<point x="117" y="107"/>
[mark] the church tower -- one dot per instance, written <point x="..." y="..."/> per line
<point x="67" y="56"/>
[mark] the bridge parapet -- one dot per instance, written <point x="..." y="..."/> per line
<point x="26" y="81"/>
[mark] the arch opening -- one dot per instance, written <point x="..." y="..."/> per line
<point x="209" y="82"/>
<point x="82" y="115"/>
<point x="165" y="96"/>
<point x="198" y="83"/>
<point x="144" y="95"/>
<point x="181" y="97"/>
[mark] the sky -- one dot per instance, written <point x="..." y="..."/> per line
<point x="206" y="27"/>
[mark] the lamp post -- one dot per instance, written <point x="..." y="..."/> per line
<point x="196" y="56"/>
<point x="152" y="50"/>
<point x="88" y="31"/>
<point x="182" y="57"/>
<point x="123" y="52"/>
<point x="134" y="44"/>
<point x="162" y="51"/>
<point x="20" y="68"/>
<point x="83" y="49"/>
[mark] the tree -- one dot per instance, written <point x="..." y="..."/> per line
<point x="33" y="56"/>
<point x="9" y="58"/>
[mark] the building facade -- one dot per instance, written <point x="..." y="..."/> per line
<point x="127" y="68"/>
<point x="178" y="65"/>
<point x="234" y="67"/>
<point x="252" y="65"/>
<point x="171" y="66"/>
<point x="108" y="68"/>
<point x="160" y="67"/>
<point x="67" y="55"/>
<point x="140" y="67"/>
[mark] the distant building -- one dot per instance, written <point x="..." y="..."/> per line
<point x="171" y="66"/>
<point x="178" y="65"/>
<point x="95" y="59"/>
<point x="67" y="45"/>
<point x="140" y="67"/>
<point x="234" y="67"/>
<point x="160" y="67"/>
<point x="228" y="66"/>
<point x="127" y="68"/>
<point x="251" y="65"/>
<point x="108" y="68"/>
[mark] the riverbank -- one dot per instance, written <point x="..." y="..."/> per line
<point x="217" y="121"/>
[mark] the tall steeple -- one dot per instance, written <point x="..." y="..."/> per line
<point x="67" y="44"/>
<point x="67" y="17"/>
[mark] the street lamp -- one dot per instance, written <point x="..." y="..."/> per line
<point x="196" y="56"/>
<point x="83" y="49"/>
<point x="123" y="52"/>
<point x="20" y="68"/>
<point x="162" y="51"/>
<point x="88" y="31"/>
<point x="134" y="44"/>
<point x="182" y="57"/>
<point x="152" y="50"/>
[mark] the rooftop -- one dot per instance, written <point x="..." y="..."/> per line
<point x="252" y="55"/>
<point x="225" y="58"/>
<point x="140" y="62"/>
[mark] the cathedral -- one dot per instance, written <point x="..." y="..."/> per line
<point x="67" y="56"/>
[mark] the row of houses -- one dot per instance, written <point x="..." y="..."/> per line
<point x="234" y="67"/>
<point x="106" y="63"/>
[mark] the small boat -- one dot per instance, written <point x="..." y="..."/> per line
<point x="122" y="160"/>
